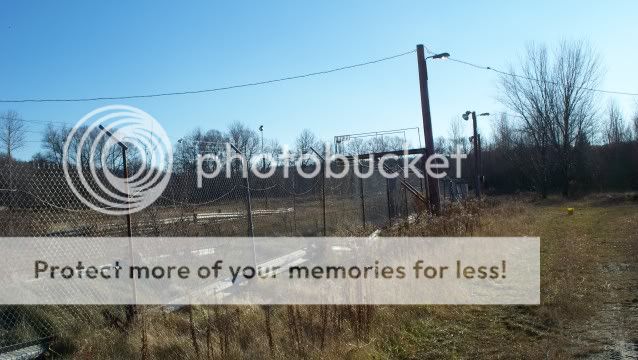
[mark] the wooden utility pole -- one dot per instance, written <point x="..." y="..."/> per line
<point x="433" y="188"/>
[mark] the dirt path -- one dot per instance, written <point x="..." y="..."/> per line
<point x="612" y="332"/>
<point x="614" y="327"/>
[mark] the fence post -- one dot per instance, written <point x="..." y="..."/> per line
<point x="407" y="209"/>
<point x="323" y="194"/>
<point x="323" y="188"/>
<point x="263" y="169"/>
<point x="129" y="227"/>
<point x="12" y="230"/>
<point x="387" y="192"/>
<point x="294" y="202"/>
<point x="249" y="210"/>
<point x="131" y="310"/>
<point x="363" y="205"/>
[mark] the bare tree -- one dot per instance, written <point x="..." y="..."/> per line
<point x="274" y="149"/>
<point x="385" y="143"/>
<point x="615" y="131"/>
<point x="80" y="148"/>
<point x="53" y="143"/>
<point x="54" y="139"/>
<point x="306" y="140"/>
<point x="503" y="133"/>
<point x="530" y="97"/>
<point x="440" y="145"/>
<point x="457" y="136"/>
<point x="577" y="69"/>
<point x="12" y="132"/>
<point x="357" y="146"/>
<point x="196" y="143"/>
<point x="244" y="138"/>
<point x="551" y="97"/>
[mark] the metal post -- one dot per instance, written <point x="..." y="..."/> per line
<point x="363" y="203"/>
<point x="323" y="188"/>
<point x="387" y="193"/>
<point x="323" y="195"/>
<point x="480" y="148"/>
<point x="433" y="198"/>
<point x="407" y="208"/>
<point x="266" y="193"/>
<point x="294" y="202"/>
<point x="249" y="210"/>
<point x="129" y="228"/>
<point x="12" y="190"/>
<point x="131" y="310"/>
<point x="477" y="180"/>
<point x="263" y="160"/>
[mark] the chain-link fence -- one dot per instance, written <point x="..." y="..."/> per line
<point x="36" y="201"/>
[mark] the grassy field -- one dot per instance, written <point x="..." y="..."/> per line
<point x="589" y="292"/>
<point x="589" y="283"/>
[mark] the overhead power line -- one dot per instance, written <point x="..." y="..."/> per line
<point x="317" y="73"/>
<point x="490" y="68"/>
<point x="493" y="69"/>
<point x="202" y="91"/>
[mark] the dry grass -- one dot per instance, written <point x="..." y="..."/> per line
<point x="573" y="290"/>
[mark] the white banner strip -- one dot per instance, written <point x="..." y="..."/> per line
<point x="270" y="271"/>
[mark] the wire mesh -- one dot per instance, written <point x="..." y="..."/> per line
<point x="36" y="201"/>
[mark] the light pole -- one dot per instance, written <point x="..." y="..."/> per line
<point x="477" y="150"/>
<point x="433" y="187"/>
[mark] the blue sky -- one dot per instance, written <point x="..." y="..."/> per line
<point x="66" y="49"/>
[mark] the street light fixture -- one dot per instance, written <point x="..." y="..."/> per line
<point x="442" y="56"/>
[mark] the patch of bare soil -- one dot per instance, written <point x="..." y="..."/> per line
<point x="612" y="331"/>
